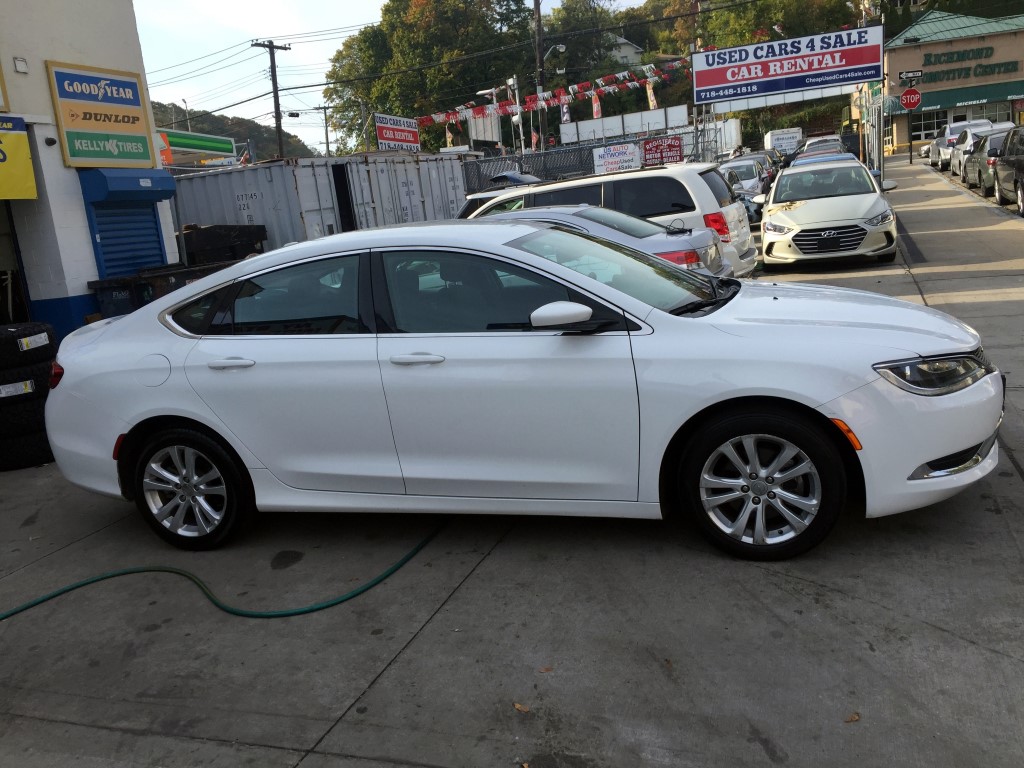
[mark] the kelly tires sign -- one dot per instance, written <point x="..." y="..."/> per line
<point x="397" y="133"/>
<point x="102" y="117"/>
<point x="784" y="66"/>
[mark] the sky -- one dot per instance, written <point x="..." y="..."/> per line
<point x="198" y="55"/>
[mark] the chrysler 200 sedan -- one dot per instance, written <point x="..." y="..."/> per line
<point x="477" y="367"/>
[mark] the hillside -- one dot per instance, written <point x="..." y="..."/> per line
<point x="238" y="128"/>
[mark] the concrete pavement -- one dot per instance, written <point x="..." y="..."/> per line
<point x="552" y="643"/>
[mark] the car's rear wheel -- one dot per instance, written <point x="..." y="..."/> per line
<point x="190" y="490"/>
<point x="1020" y="199"/>
<point x="763" y="485"/>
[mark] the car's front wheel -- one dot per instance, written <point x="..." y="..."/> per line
<point x="763" y="485"/>
<point x="190" y="490"/>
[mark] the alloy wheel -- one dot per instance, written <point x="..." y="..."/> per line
<point x="760" y="489"/>
<point x="184" y="491"/>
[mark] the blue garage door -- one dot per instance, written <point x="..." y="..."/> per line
<point x="129" y="237"/>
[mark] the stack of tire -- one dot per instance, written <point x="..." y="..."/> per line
<point x="26" y="353"/>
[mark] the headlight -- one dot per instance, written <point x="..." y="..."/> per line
<point x="883" y="218"/>
<point x="936" y="375"/>
<point x="776" y="228"/>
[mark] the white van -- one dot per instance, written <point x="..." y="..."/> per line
<point x="691" y="195"/>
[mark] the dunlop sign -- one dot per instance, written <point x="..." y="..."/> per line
<point x="101" y="116"/>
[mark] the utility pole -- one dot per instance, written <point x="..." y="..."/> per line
<point x="327" y="139"/>
<point x="538" y="51"/>
<point x="269" y="45"/>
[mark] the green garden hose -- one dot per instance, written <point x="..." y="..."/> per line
<point x="281" y="614"/>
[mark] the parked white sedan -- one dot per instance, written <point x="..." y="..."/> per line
<point x="468" y="367"/>
<point x="827" y="210"/>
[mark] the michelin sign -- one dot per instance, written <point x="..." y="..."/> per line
<point x="783" y="66"/>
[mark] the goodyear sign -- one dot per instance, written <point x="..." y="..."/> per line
<point x="17" y="182"/>
<point x="102" y="117"/>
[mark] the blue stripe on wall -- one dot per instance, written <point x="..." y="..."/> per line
<point x="66" y="314"/>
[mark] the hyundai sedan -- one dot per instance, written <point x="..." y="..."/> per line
<point x="827" y="210"/>
<point x="490" y="368"/>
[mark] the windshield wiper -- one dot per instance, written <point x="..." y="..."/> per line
<point x="697" y="306"/>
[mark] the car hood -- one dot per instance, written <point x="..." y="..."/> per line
<point x="821" y="317"/>
<point x="827" y="209"/>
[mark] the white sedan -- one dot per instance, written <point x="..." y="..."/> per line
<point x="827" y="210"/>
<point x="468" y="367"/>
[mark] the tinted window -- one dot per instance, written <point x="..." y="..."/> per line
<point x="652" y="196"/>
<point x="319" y="297"/>
<point x="195" y="316"/>
<point x="721" y="190"/>
<point x="589" y="194"/>
<point x="443" y="292"/>
<point x="1015" y="143"/>
<point x="622" y="222"/>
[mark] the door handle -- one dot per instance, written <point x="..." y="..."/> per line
<point x="417" y="358"/>
<point x="230" y="362"/>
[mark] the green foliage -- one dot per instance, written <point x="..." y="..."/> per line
<point x="238" y="128"/>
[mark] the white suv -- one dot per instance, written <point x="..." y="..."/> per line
<point x="690" y="195"/>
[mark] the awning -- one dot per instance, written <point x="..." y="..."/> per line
<point x="964" y="97"/>
<point x="17" y="180"/>
<point x="101" y="185"/>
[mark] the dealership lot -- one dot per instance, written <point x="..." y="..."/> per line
<point x="568" y="642"/>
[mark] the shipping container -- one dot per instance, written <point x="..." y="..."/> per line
<point x="306" y="198"/>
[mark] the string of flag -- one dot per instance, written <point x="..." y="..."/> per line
<point x="650" y="75"/>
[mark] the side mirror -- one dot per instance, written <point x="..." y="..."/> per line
<point x="889" y="184"/>
<point x="759" y="199"/>
<point x="560" y="313"/>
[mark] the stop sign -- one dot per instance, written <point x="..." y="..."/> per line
<point x="910" y="99"/>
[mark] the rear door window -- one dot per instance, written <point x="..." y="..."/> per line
<point x="653" y="196"/>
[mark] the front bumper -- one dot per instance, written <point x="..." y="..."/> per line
<point x="828" y="241"/>
<point x="921" y="450"/>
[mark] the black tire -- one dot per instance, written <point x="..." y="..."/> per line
<point x="985" y="191"/>
<point x="15" y="336"/>
<point x="1020" y="199"/>
<point x="38" y="375"/>
<point x="23" y="451"/>
<point x="209" y="513"/>
<point x="820" y="487"/>
<point x="22" y="417"/>
<point x="998" y="192"/>
<point x="966" y="179"/>
<point x="887" y="258"/>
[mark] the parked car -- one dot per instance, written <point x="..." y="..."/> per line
<point x="503" y="182"/>
<point x="1009" y="173"/>
<point x="945" y="139"/>
<point x="925" y="150"/>
<point x="744" y="195"/>
<point x="752" y="174"/>
<point x="965" y="142"/>
<point x="980" y="164"/>
<point x="481" y="367"/>
<point x="771" y="160"/>
<point x="827" y="210"/>
<point x="682" y="194"/>
<point x="698" y="249"/>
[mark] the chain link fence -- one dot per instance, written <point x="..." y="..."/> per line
<point x="701" y="142"/>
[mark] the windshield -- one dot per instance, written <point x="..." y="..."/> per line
<point x="621" y="222"/>
<point x="651" y="280"/>
<point x="822" y="182"/>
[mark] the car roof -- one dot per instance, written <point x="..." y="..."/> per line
<point x="823" y="157"/>
<point x="827" y="164"/>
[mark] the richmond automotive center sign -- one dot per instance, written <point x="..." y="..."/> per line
<point x="782" y="66"/>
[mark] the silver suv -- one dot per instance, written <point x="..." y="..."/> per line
<point x="689" y="195"/>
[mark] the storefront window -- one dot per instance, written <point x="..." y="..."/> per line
<point x="924" y="125"/>
<point x="997" y="113"/>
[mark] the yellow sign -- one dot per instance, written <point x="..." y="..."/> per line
<point x="102" y="116"/>
<point x="17" y="181"/>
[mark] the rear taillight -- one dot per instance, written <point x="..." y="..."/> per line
<point x="991" y="162"/>
<point x="56" y="374"/>
<point x="950" y="142"/>
<point x="716" y="221"/>
<point x="688" y="259"/>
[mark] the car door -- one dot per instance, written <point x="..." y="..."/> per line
<point x="290" y="367"/>
<point x="484" y="405"/>
<point x="1011" y="165"/>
